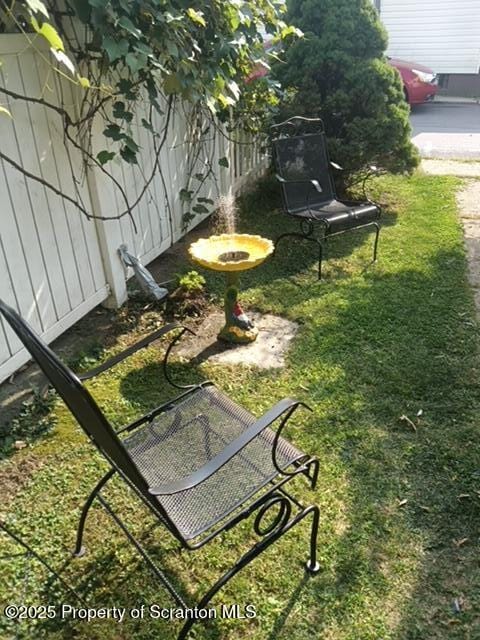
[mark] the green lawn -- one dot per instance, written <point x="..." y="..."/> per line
<point x="400" y="503"/>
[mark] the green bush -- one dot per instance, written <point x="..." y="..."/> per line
<point x="339" y="72"/>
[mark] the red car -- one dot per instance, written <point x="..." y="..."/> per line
<point x="419" y="83"/>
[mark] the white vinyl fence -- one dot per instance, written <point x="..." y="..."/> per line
<point x="55" y="265"/>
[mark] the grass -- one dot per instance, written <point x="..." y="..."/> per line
<point x="400" y="499"/>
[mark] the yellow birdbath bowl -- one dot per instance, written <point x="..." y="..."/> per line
<point x="232" y="253"/>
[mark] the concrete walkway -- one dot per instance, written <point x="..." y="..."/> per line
<point x="451" y="168"/>
<point x="447" y="129"/>
<point x="468" y="200"/>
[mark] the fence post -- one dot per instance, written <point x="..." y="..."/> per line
<point x="109" y="236"/>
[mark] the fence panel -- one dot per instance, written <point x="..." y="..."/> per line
<point x="55" y="264"/>
<point x="52" y="269"/>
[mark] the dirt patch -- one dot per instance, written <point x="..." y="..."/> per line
<point x="14" y="475"/>
<point x="275" y="335"/>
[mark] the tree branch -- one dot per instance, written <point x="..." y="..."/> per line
<point x="51" y="187"/>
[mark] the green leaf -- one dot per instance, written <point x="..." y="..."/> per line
<point x="83" y="10"/>
<point x="125" y="86"/>
<point x="147" y="125"/>
<point x="114" y="49"/>
<point x="128" y="155"/>
<point x="49" y="33"/>
<point x="157" y="107"/>
<point x="185" y="195"/>
<point x="120" y="112"/>
<point x="172" y="48"/>
<point x="114" y="132"/>
<point x="127" y="24"/>
<point x="196" y="16"/>
<point x="171" y="84"/>
<point x="225" y="101"/>
<point x="223" y="162"/>
<point x="206" y="200"/>
<point x="291" y="31"/>
<point x="131" y="144"/>
<point x="135" y="61"/>
<point x="105" y="156"/>
<point x="199" y="208"/>
<point x="198" y="176"/>
<point x="144" y="49"/>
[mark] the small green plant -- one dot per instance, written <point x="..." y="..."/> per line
<point x="191" y="282"/>
<point x="189" y="298"/>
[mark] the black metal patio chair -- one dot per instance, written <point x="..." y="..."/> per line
<point x="303" y="169"/>
<point x="199" y="462"/>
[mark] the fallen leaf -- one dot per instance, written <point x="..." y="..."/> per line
<point x="20" y="444"/>
<point x="402" y="502"/>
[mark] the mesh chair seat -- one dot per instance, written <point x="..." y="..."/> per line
<point x="180" y="441"/>
<point x="340" y="216"/>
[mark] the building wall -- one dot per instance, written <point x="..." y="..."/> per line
<point x="466" y="85"/>
<point x="441" y="34"/>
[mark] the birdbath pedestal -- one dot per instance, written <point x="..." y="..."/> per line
<point x="232" y="254"/>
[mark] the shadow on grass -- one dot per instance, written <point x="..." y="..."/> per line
<point x="391" y="344"/>
<point x="407" y="345"/>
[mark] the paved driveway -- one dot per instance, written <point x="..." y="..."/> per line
<point x="447" y="130"/>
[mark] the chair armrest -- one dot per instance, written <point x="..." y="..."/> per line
<point x="141" y="344"/>
<point x="315" y="183"/>
<point x="217" y="462"/>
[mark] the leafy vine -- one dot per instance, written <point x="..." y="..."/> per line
<point x="142" y="61"/>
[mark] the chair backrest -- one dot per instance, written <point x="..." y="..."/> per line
<point x="302" y="155"/>
<point x="76" y="397"/>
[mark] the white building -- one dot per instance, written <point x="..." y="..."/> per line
<point x="441" y="34"/>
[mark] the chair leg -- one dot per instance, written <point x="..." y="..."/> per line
<point x="312" y="564"/>
<point x="79" y="548"/>
<point x="375" y="244"/>
<point x="321" y="247"/>
<point x="301" y="236"/>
